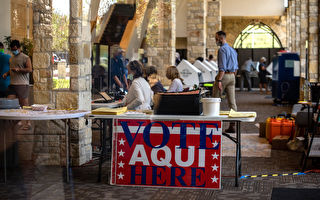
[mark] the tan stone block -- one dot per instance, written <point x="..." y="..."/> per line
<point x="47" y="159"/>
<point x="78" y="124"/>
<point x="85" y="100"/>
<point x="74" y="71"/>
<point x="65" y="100"/>
<point x="75" y="30"/>
<point x="86" y="50"/>
<point x="36" y="45"/>
<point x="36" y="75"/>
<point x="42" y="97"/>
<point x="41" y="60"/>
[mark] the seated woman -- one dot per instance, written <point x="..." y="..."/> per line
<point x="151" y="75"/>
<point x="140" y="95"/>
<point x="172" y="73"/>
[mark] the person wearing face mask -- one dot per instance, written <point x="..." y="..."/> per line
<point x="225" y="79"/>
<point x="139" y="96"/>
<point x="4" y="67"/>
<point x="118" y="72"/>
<point x="20" y="67"/>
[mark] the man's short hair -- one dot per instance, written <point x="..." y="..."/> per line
<point x="221" y="33"/>
<point x="210" y="56"/>
<point x="14" y="43"/>
<point x="1" y="45"/>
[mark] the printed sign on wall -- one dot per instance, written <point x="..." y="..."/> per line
<point x="185" y="154"/>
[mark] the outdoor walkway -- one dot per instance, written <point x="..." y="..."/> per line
<point x="46" y="182"/>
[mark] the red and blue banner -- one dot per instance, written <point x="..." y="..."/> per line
<point x="179" y="153"/>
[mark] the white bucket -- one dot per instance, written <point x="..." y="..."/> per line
<point x="211" y="106"/>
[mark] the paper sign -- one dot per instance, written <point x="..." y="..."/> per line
<point x="179" y="154"/>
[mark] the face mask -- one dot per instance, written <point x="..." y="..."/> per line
<point x="130" y="77"/>
<point x="2" y="50"/>
<point x="16" y="52"/>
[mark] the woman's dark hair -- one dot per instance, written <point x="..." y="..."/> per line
<point x="14" y="43"/>
<point x="136" y="67"/>
<point x="150" y="70"/>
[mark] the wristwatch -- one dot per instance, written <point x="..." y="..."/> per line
<point x="219" y="80"/>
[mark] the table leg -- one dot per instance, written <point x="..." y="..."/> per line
<point x="4" y="156"/>
<point x="103" y="146"/>
<point x="238" y="154"/>
<point x="67" y="150"/>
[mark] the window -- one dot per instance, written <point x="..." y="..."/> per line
<point x="257" y="36"/>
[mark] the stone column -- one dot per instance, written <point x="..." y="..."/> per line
<point x="288" y="32"/>
<point x="47" y="144"/>
<point x="161" y="36"/>
<point x="293" y="25"/>
<point x="79" y="95"/>
<point x="298" y="25"/>
<point x="213" y="26"/>
<point x="313" y="40"/>
<point x="196" y="29"/>
<point x="303" y="35"/>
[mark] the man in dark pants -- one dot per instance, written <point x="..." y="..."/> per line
<point x="225" y="79"/>
<point x="20" y="67"/>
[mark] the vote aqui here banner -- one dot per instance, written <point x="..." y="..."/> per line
<point x="179" y="153"/>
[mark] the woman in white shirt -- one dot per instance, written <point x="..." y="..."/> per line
<point x="140" y="95"/>
<point x="172" y="73"/>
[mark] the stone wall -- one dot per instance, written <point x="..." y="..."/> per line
<point x="234" y="25"/>
<point x="313" y="40"/>
<point x="161" y="39"/>
<point x="196" y="29"/>
<point x="46" y="144"/>
<point x="213" y="26"/>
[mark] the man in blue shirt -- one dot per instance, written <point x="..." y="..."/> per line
<point x="118" y="76"/>
<point x="4" y="67"/>
<point x="225" y="79"/>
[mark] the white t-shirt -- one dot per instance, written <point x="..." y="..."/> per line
<point x="176" y="86"/>
<point x="139" y="96"/>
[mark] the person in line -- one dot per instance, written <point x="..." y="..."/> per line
<point x="172" y="73"/>
<point x="20" y="67"/>
<point x="4" y="67"/>
<point x="139" y="96"/>
<point x="245" y="71"/>
<point x="119" y="79"/>
<point x="178" y="60"/>
<point x="225" y="79"/>
<point x="151" y="75"/>
<point x="210" y="58"/>
<point x="98" y="76"/>
<point x="263" y="75"/>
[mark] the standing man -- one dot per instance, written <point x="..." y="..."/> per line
<point x="245" y="70"/>
<point x="4" y="67"/>
<point x="118" y="76"/>
<point x="225" y="79"/>
<point x="20" y="67"/>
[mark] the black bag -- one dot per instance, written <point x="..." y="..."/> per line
<point x="182" y="103"/>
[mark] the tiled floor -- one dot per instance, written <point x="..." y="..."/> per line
<point x="46" y="182"/>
